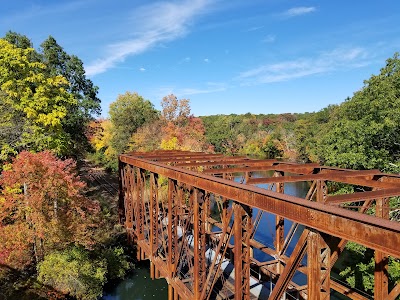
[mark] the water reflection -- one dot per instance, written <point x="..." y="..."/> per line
<point x="138" y="286"/>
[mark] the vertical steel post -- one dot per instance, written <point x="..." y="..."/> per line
<point x="321" y="191"/>
<point x="381" y="289"/>
<point x="237" y="226"/>
<point x="279" y="226"/>
<point x="131" y="203"/>
<point x="242" y="231"/>
<point x="172" y="226"/>
<point x="121" y="190"/>
<point x="196" y="253"/>
<point x="140" y="214"/>
<point x="153" y="239"/>
<point x="199" y="242"/>
<point x="129" y="198"/>
<point x="170" y="292"/>
<point x="318" y="267"/>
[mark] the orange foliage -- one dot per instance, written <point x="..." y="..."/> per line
<point x="177" y="129"/>
<point x="42" y="208"/>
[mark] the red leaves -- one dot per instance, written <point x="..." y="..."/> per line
<point x="42" y="204"/>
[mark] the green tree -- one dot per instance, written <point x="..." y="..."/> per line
<point x="87" y="104"/>
<point x="74" y="272"/>
<point x="117" y="262"/>
<point x="128" y="113"/>
<point x="364" y="131"/>
<point x="18" y="40"/>
<point x="360" y="265"/>
<point x="307" y="130"/>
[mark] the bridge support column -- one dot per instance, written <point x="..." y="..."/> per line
<point x="139" y="204"/>
<point x="121" y="192"/>
<point x="170" y="292"/>
<point x="279" y="226"/>
<point x="242" y="231"/>
<point x="381" y="274"/>
<point x="172" y="226"/>
<point x="199" y="234"/>
<point x="321" y="191"/>
<point x="154" y="214"/>
<point x="319" y="267"/>
<point x="152" y="270"/>
<point x="129" y="177"/>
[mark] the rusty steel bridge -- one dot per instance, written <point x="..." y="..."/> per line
<point x="197" y="216"/>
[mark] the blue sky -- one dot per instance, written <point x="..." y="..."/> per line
<point x="270" y="56"/>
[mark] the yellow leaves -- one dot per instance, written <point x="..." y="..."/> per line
<point x="5" y="151"/>
<point x="7" y="167"/>
<point x="170" y="144"/>
<point x="101" y="138"/>
<point x="12" y="190"/>
<point x="41" y="99"/>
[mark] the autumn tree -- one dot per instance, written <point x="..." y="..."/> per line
<point x="42" y="208"/>
<point x="52" y="66"/>
<point x="181" y="130"/>
<point x="174" y="110"/>
<point x="37" y="101"/>
<point x="148" y="137"/>
<point x="128" y="113"/>
<point x="100" y="133"/>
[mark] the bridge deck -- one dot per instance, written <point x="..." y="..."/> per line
<point x="199" y="217"/>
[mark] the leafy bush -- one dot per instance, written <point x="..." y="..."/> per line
<point x="117" y="263"/>
<point x="73" y="272"/>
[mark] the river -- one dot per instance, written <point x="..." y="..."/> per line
<point x="138" y="286"/>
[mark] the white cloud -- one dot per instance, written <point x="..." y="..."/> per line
<point x="270" y="38"/>
<point x="206" y="60"/>
<point x="210" y="87"/>
<point x="154" y="23"/>
<point x="185" y="60"/>
<point x="298" y="11"/>
<point x="337" y="59"/>
<point x="142" y="69"/>
<point x="254" y="28"/>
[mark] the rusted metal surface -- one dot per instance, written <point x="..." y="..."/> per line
<point x="200" y="231"/>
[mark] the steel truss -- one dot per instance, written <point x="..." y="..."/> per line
<point x="196" y="216"/>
